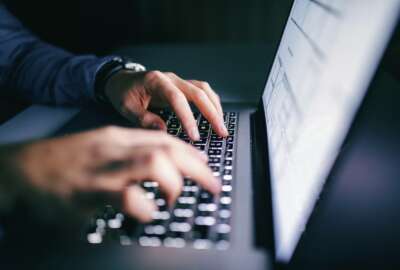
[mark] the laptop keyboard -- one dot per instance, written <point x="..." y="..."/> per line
<point x="198" y="218"/>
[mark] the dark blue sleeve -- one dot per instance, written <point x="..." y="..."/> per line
<point x="41" y="73"/>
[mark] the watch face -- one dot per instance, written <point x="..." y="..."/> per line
<point x="129" y="65"/>
<point x="134" y="67"/>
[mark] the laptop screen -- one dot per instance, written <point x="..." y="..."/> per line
<point x="328" y="54"/>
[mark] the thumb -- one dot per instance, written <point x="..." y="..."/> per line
<point x="151" y="120"/>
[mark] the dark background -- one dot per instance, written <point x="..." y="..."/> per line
<point x="101" y="26"/>
<point x="98" y="26"/>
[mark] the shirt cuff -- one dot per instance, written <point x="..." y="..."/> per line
<point x="92" y="71"/>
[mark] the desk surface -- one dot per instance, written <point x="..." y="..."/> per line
<point x="236" y="72"/>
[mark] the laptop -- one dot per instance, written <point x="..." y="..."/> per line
<point x="273" y="165"/>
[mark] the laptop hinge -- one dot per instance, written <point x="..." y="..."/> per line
<point x="261" y="182"/>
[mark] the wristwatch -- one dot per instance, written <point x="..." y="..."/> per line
<point x="110" y="68"/>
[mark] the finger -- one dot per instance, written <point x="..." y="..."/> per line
<point x="161" y="169"/>
<point x="190" y="166"/>
<point x="158" y="82"/>
<point x="188" y="149"/>
<point x="211" y="94"/>
<point x="136" y="204"/>
<point x="143" y="163"/>
<point x="203" y="103"/>
<point x="129" y="137"/>
<point x="146" y="118"/>
<point x="152" y="121"/>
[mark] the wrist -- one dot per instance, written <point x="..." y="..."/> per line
<point x="109" y="71"/>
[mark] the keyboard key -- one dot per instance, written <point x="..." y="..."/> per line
<point x="204" y="128"/>
<point x="228" y="162"/>
<point x="160" y="202"/>
<point x="227" y="177"/>
<point x="214" y="160"/>
<point x="225" y="200"/>
<point x="204" y="134"/>
<point x="207" y="207"/>
<point x="216" y="144"/>
<point x="205" y="197"/>
<point x="202" y="244"/>
<point x="205" y="221"/>
<point x="173" y="132"/>
<point x="183" y="213"/>
<point x="116" y="222"/>
<point x="226" y="188"/>
<point x="93" y="236"/>
<point x="224" y="214"/>
<point x="161" y="215"/>
<point x="187" y="200"/>
<point x="183" y="135"/>
<point x="147" y="241"/>
<point x="174" y="242"/>
<point x="214" y="152"/>
<point x="216" y="138"/>
<point x="180" y="227"/>
<point x="230" y="139"/>
<point x="189" y="182"/>
<point x="193" y="189"/>
<point x="223" y="228"/>
<point x="200" y="147"/>
<point x="155" y="229"/>
<point x="203" y="121"/>
<point x="215" y="168"/>
<point x="174" y="125"/>
<point x="229" y="146"/>
<point x="202" y="141"/>
<point x="228" y="154"/>
<point x="227" y="172"/>
<point x="150" y="184"/>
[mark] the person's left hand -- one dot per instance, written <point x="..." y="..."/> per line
<point x="133" y="93"/>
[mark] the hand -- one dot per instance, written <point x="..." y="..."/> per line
<point x="111" y="161"/>
<point x="133" y="93"/>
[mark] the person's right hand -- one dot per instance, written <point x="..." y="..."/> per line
<point x="112" y="161"/>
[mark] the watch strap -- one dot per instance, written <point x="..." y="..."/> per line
<point x="108" y="70"/>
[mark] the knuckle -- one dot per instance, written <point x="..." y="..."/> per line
<point x="170" y="74"/>
<point x="152" y="76"/>
<point x="125" y="106"/>
<point x="110" y="130"/>
<point x="204" y="84"/>
<point x="168" y="149"/>
<point x="199" y="95"/>
<point x="154" y="157"/>
<point x="175" y="95"/>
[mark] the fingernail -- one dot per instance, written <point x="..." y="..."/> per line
<point x="223" y="129"/>
<point x="194" y="134"/>
<point x="148" y="209"/>
<point x="217" y="185"/>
